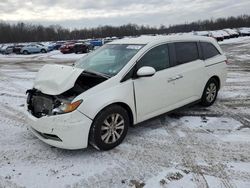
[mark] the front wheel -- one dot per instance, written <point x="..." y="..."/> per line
<point x="210" y="92"/>
<point x="43" y="51"/>
<point x="25" y="52"/>
<point x="87" y="50"/>
<point x="109" y="128"/>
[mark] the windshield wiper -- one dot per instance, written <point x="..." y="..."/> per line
<point x="97" y="74"/>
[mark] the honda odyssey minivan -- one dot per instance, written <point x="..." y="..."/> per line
<point x="123" y="83"/>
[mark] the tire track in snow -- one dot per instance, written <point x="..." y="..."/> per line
<point x="188" y="154"/>
<point x="187" y="159"/>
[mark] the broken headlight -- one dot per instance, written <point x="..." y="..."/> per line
<point x="66" y="107"/>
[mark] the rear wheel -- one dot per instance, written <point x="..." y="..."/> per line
<point x="210" y="92"/>
<point x="109" y="128"/>
<point x="25" y="52"/>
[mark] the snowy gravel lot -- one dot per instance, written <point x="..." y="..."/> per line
<point x="192" y="147"/>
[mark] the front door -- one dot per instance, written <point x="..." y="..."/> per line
<point x="155" y="95"/>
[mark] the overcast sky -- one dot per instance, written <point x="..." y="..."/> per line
<point x="91" y="13"/>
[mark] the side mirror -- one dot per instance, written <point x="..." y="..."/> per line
<point x="146" y="71"/>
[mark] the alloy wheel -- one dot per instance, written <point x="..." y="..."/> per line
<point x="112" y="128"/>
<point x="211" y="92"/>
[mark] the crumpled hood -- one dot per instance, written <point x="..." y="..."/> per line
<point x="56" y="79"/>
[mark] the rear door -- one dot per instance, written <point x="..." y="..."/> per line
<point x="32" y="49"/>
<point x="215" y="62"/>
<point x="37" y="48"/>
<point x="190" y="72"/>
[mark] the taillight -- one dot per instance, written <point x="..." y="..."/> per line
<point x="227" y="62"/>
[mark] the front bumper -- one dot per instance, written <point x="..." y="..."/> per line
<point x="67" y="131"/>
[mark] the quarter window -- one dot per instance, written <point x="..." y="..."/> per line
<point x="158" y="58"/>
<point x="209" y="50"/>
<point x="186" y="52"/>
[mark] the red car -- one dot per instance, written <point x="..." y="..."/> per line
<point x="67" y="48"/>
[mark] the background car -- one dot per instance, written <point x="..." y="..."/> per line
<point x="244" y="31"/>
<point x="33" y="48"/>
<point x="201" y="33"/>
<point x="17" y="48"/>
<point x="47" y="46"/>
<point x="67" y="48"/>
<point x="82" y="47"/>
<point x="7" y="49"/>
<point x="224" y="34"/>
<point x="232" y="33"/>
<point x="215" y="34"/>
<point x="90" y="46"/>
<point x="57" y="45"/>
<point x="96" y="42"/>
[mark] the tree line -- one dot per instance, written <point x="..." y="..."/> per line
<point x="23" y="32"/>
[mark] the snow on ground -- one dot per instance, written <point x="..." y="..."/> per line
<point x="192" y="147"/>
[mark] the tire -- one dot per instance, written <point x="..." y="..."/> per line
<point x="43" y="51"/>
<point x="210" y="92"/>
<point x="104" y="133"/>
<point x="25" y="52"/>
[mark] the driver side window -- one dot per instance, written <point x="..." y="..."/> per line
<point x="158" y="58"/>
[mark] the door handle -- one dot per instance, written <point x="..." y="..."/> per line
<point x="178" y="77"/>
<point x="171" y="79"/>
<point x="175" y="78"/>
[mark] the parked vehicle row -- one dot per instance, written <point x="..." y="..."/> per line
<point x="64" y="47"/>
<point x="220" y="35"/>
<point x="84" y="46"/>
<point x="24" y="49"/>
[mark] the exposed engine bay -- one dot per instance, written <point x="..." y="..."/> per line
<point x="40" y="104"/>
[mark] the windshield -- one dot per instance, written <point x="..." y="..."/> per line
<point x="109" y="59"/>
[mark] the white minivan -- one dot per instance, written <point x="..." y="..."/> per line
<point x="123" y="83"/>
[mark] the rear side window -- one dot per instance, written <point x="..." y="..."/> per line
<point x="209" y="50"/>
<point x="186" y="52"/>
<point x="158" y="58"/>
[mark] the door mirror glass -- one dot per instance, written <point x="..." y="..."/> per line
<point x="146" y="71"/>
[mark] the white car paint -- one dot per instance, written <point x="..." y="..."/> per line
<point x="231" y="32"/>
<point x="216" y="34"/>
<point x="55" y="79"/>
<point x="146" y="97"/>
<point x="224" y="33"/>
<point x="69" y="127"/>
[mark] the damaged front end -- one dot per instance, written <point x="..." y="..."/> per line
<point x="42" y="103"/>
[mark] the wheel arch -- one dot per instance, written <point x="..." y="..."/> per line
<point x="217" y="79"/>
<point x="212" y="77"/>
<point x="123" y="105"/>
